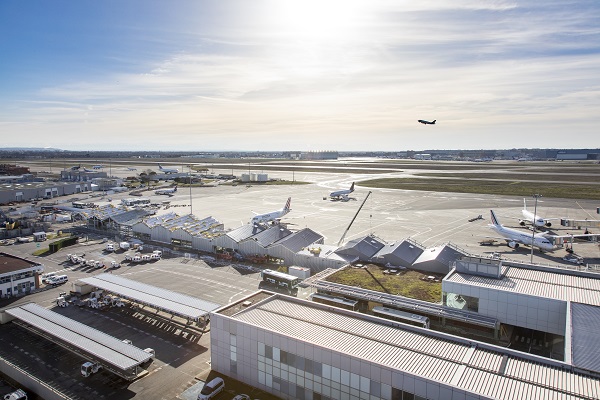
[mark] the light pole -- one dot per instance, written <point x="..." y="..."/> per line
<point x="535" y="196"/>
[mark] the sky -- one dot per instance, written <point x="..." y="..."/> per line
<point x="276" y="75"/>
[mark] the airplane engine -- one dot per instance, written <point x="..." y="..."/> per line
<point x="521" y="222"/>
<point x="548" y="224"/>
<point x="513" y="245"/>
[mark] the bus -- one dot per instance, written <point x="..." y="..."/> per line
<point x="340" y="302"/>
<point x="401" y="316"/>
<point x="280" y="280"/>
<point x="134" y="201"/>
<point x="81" y="204"/>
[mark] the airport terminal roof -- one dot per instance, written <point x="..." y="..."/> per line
<point x="300" y="239"/>
<point x="245" y="231"/>
<point x="166" y="300"/>
<point x="328" y="252"/>
<point x="106" y="348"/>
<point x="585" y="336"/>
<point x="402" y="253"/>
<point x="271" y="235"/>
<point x="364" y="248"/>
<point x="540" y="283"/>
<point x="130" y="216"/>
<point x="475" y="367"/>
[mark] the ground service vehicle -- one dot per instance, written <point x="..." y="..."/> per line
<point x="57" y="279"/>
<point x="18" y="394"/>
<point x="280" y="280"/>
<point x="212" y="389"/>
<point x="47" y="276"/>
<point x="89" y="368"/>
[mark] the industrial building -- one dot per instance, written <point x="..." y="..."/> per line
<point x="17" y="275"/>
<point x="296" y="349"/>
<point x="28" y="191"/>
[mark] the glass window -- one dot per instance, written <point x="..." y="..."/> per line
<point x="375" y="388"/>
<point x="327" y="371"/>
<point x="317" y="369"/>
<point x="299" y="392"/>
<point x="300" y="363"/>
<point x="345" y="378"/>
<point x="261" y="349"/>
<point x="291" y="359"/>
<point x="365" y="384"/>
<point x="335" y="374"/>
<point x="276" y="355"/>
<point x="232" y="340"/>
<point x="283" y="357"/>
<point x="308" y="366"/>
<point x="261" y="377"/>
<point x="354" y="381"/>
<point x="268" y="352"/>
<point x="386" y="391"/>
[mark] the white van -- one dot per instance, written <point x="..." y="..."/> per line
<point x="58" y="280"/>
<point x="212" y="389"/>
<point x="47" y="276"/>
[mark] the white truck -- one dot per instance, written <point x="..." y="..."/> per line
<point x="124" y="246"/>
<point x="88" y="368"/>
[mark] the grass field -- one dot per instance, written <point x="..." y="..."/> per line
<point x="407" y="283"/>
<point x="507" y="188"/>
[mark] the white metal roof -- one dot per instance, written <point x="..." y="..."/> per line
<point x="92" y="341"/>
<point x="559" y="286"/>
<point x="478" y="368"/>
<point x="173" y="302"/>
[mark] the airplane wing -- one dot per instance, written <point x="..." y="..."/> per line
<point x="505" y="239"/>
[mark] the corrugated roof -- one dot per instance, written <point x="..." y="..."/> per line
<point x="364" y="248"/>
<point x="585" y="336"/>
<point x="271" y="235"/>
<point x="559" y="286"/>
<point x="298" y="240"/>
<point x="173" y="302"/>
<point x="98" y="344"/>
<point x="130" y="215"/>
<point x="245" y="231"/>
<point x="472" y="366"/>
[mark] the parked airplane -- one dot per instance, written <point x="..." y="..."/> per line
<point x="514" y="237"/>
<point x="168" y="170"/>
<point x="168" y="192"/>
<point x="274" y="215"/>
<point x="543" y="240"/>
<point x="534" y="219"/>
<point x="424" y="122"/>
<point x="131" y="169"/>
<point x="75" y="167"/>
<point x="88" y="170"/>
<point x="100" y="166"/>
<point x="342" y="194"/>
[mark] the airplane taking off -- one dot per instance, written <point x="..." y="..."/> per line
<point x="342" y="194"/>
<point x="272" y="216"/>
<point x="424" y="122"/>
<point x="168" y="192"/>
<point x="514" y="237"/>
<point x="534" y="219"/>
<point x="168" y="170"/>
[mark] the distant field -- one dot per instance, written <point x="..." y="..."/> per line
<point x="407" y="284"/>
<point x="507" y="188"/>
<point x="525" y="175"/>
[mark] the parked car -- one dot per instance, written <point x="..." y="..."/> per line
<point x="212" y="389"/>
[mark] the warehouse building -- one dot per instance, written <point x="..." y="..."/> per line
<point x="28" y="191"/>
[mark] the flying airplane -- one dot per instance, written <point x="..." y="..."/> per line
<point x="168" y="192"/>
<point x="424" y="122"/>
<point x="342" y="194"/>
<point x="534" y="219"/>
<point x="542" y="241"/>
<point x="272" y="216"/>
<point x="168" y="170"/>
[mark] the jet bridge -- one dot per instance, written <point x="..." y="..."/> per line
<point x="181" y="305"/>
<point x="120" y="358"/>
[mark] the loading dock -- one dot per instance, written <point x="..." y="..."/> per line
<point x="120" y="358"/>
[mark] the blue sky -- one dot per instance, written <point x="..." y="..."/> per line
<point x="299" y="75"/>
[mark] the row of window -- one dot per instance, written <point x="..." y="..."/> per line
<point x="303" y="378"/>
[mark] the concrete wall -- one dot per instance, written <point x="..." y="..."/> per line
<point x="30" y="383"/>
<point x="542" y="314"/>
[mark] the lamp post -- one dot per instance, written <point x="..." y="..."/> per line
<point x="535" y="196"/>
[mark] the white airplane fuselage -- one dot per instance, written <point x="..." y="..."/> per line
<point x="342" y="193"/>
<point x="272" y="216"/>
<point x="168" y="170"/>
<point x="515" y="237"/>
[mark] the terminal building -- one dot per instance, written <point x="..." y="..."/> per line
<point x="297" y="349"/>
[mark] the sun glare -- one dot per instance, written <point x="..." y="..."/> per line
<point x="316" y="20"/>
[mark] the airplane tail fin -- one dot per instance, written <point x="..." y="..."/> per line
<point x="287" y="204"/>
<point x="494" y="219"/>
<point x="434" y="121"/>
<point x="525" y="204"/>
<point x="352" y="187"/>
